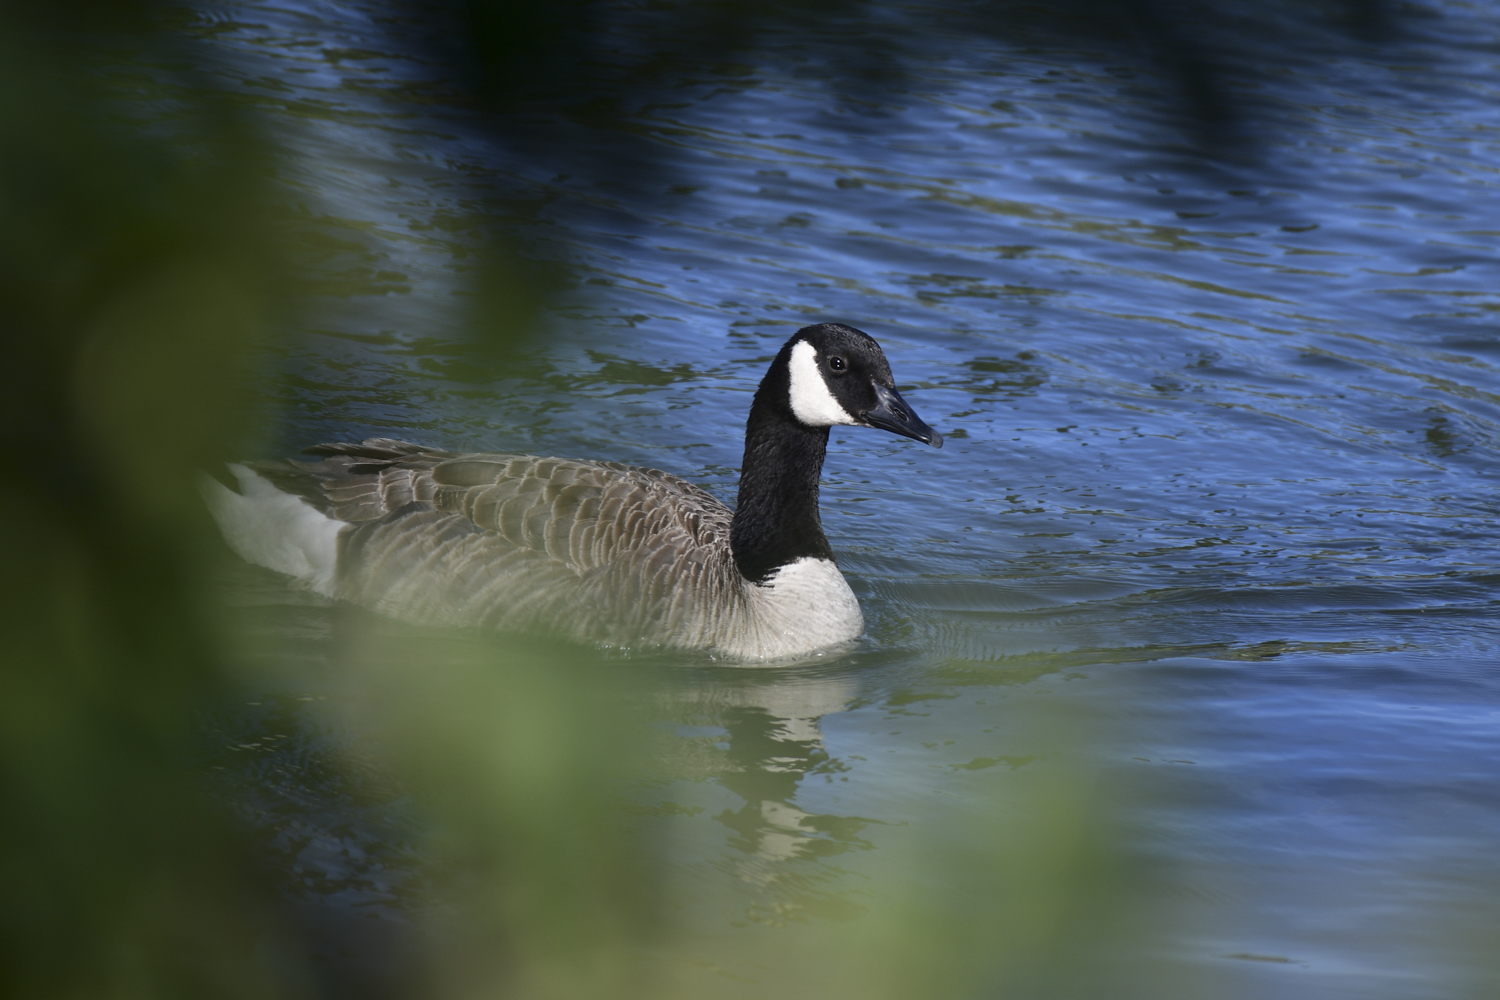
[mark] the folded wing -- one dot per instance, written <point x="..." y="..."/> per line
<point x="594" y="550"/>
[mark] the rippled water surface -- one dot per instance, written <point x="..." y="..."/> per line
<point x="1221" y="435"/>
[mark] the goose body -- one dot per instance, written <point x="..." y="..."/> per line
<point x="596" y="551"/>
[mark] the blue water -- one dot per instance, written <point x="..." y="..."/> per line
<point x="1221" y="426"/>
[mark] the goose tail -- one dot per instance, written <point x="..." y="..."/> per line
<point x="277" y="530"/>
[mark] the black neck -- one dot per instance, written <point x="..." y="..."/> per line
<point x="776" y="520"/>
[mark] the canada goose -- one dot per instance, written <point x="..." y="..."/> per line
<point x="598" y="551"/>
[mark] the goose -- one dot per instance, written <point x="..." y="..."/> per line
<point x="595" y="551"/>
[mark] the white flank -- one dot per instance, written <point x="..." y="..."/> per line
<point x="813" y="404"/>
<point x="276" y="530"/>
<point x="807" y="605"/>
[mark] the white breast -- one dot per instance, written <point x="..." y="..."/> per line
<point x="804" y="606"/>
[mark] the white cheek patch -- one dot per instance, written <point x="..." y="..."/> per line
<point x="812" y="403"/>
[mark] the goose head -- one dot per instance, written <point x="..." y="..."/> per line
<point x="839" y="375"/>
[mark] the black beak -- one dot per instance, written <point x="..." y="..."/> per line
<point x="892" y="414"/>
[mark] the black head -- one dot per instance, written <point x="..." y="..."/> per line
<point x="839" y="375"/>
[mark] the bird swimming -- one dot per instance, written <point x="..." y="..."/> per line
<point x="595" y="551"/>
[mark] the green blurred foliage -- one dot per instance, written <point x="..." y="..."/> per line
<point x="517" y="750"/>
<point x="131" y="279"/>
<point x="139" y="276"/>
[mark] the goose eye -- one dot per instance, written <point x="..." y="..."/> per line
<point x="836" y="363"/>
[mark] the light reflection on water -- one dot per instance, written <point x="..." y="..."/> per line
<point x="1221" y="437"/>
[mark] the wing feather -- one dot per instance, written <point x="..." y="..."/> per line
<point x="596" y="550"/>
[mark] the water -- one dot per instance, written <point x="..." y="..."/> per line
<point x="1221" y="433"/>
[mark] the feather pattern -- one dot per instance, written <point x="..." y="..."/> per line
<point x="596" y="551"/>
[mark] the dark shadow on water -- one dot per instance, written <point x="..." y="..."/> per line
<point x="596" y="63"/>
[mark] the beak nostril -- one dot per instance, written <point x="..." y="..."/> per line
<point x="894" y="414"/>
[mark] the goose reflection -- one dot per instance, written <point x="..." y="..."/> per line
<point x="774" y="743"/>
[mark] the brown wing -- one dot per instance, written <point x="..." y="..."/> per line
<point x="359" y="482"/>
<point x="597" y="550"/>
